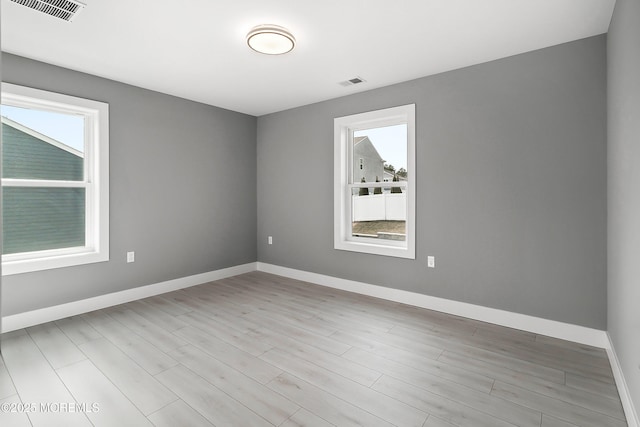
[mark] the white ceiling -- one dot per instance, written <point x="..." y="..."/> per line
<point x="196" y="49"/>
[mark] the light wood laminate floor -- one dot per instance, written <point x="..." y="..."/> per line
<point x="263" y="350"/>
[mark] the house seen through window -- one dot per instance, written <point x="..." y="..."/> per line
<point x="42" y="146"/>
<point x="379" y="212"/>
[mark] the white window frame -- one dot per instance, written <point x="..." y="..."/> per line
<point x="344" y="127"/>
<point x="95" y="182"/>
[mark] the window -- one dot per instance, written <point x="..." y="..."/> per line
<point x="374" y="182"/>
<point x="55" y="182"/>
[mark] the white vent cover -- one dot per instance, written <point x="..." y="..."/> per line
<point x="63" y="9"/>
<point x="353" y="81"/>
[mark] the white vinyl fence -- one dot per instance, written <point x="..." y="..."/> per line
<point x="380" y="207"/>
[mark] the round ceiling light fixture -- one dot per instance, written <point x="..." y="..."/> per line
<point x="271" y="39"/>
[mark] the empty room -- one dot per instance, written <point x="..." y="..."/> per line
<point x="344" y="213"/>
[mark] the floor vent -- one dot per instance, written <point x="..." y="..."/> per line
<point x="63" y="9"/>
<point x="353" y="81"/>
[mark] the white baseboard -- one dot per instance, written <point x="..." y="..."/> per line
<point x="523" y="322"/>
<point x="625" y="397"/>
<point x="565" y="331"/>
<point x="48" y="314"/>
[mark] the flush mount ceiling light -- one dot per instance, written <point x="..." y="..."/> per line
<point x="271" y="39"/>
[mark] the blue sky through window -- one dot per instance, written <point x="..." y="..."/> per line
<point x="391" y="143"/>
<point x="65" y="128"/>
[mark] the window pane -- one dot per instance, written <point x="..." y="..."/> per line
<point x="39" y="144"/>
<point x="42" y="218"/>
<point x="380" y="154"/>
<point x="379" y="213"/>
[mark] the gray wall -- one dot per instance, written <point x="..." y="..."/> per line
<point x="511" y="187"/>
<point x="182" y="196"/>
<point x="624" y="189"/>
<point x="511" y="176"/>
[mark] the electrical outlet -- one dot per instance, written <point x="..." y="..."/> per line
<point x="270" y="240"/>
<point x="431" y="262"/>
<point x="131" y="256"/>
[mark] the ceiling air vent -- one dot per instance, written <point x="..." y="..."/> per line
<point x="353" y="81"/>
<point x="63" y="9"/>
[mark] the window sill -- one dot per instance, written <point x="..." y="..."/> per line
<point x="12" y="264"/>
<point x="371" y="248"/>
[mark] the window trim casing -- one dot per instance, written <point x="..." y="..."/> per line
<point x="95" y="183"/>
<point x="343" y="163"/>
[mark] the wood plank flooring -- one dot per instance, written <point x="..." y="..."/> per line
<point x="263" y="350"/>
